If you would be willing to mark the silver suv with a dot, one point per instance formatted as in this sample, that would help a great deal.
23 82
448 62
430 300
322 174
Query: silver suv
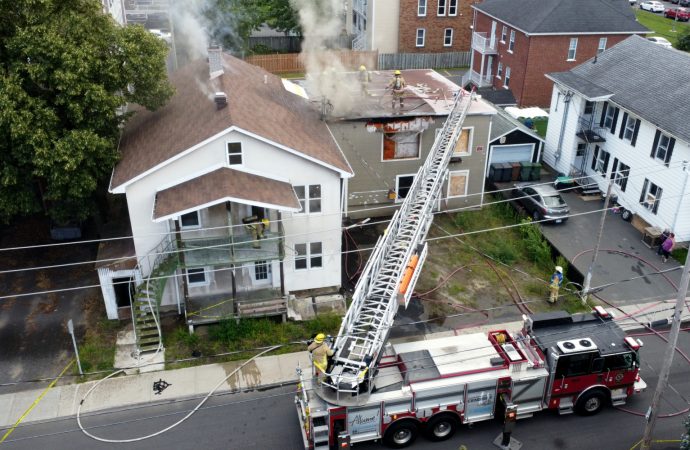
542 202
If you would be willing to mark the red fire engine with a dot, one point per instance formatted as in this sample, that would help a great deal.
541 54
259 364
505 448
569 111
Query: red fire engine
557 361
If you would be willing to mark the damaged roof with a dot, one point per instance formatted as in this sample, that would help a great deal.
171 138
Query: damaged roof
257 103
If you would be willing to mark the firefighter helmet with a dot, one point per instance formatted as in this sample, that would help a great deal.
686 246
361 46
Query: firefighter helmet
397 72
362 68
319 338
559 269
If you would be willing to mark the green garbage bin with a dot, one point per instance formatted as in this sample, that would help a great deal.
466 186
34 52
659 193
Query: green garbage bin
535 173
525 169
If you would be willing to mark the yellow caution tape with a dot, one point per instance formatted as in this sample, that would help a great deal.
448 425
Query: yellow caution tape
35 403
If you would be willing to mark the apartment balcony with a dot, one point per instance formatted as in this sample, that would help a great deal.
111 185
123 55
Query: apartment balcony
477 79
482 43
589 130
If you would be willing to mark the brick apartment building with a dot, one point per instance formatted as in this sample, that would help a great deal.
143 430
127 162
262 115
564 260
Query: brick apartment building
434 26
516 42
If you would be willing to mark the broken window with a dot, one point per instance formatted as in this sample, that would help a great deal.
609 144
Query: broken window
403 145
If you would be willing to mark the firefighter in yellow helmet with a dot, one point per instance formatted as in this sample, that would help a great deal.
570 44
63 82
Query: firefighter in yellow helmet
320 351
397 85
364 79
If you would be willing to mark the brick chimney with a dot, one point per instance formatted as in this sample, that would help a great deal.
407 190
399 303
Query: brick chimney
215 61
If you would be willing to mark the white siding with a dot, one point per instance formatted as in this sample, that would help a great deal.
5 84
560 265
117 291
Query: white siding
383 25
568 145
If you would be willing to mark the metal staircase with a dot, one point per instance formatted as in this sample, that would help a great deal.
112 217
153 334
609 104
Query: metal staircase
399 255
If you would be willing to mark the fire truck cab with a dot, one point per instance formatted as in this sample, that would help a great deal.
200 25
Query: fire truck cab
557 361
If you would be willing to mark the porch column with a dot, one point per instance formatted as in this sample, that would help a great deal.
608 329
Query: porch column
481 70
105 276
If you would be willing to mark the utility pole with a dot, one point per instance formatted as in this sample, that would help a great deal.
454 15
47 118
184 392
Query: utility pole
653 410
588 278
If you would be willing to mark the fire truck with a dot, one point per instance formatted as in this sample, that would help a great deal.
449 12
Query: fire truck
375 390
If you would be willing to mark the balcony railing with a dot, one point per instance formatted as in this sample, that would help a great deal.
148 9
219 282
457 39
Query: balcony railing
482 43
589 130
477 79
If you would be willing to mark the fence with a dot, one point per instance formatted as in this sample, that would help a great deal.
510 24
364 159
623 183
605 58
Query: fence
291 62
293 44
389 61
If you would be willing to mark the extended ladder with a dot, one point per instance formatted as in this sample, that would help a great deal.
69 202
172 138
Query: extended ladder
390 274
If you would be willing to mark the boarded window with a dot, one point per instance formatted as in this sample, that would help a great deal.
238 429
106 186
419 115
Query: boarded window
464 142
457 184
400 146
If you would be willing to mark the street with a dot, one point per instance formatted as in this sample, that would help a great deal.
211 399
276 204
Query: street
267 420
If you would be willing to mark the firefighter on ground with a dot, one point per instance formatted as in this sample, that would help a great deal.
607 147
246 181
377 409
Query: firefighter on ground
397 84
555 284
364 79
320 352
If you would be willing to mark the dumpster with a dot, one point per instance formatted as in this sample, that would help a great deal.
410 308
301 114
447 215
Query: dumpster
535 173
525 169
515 173
496 171
507 173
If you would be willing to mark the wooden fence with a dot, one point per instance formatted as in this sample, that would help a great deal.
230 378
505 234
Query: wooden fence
390 61
292 62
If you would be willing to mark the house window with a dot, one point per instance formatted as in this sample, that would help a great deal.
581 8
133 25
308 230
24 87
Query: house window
511 44
190 220
650 196
441 7
629 131
420 37
234 153
421 8
452 7
589 107
457 183
620 172
464 145
404 145
309 198
309 256
403 183
662 147
260 270
506 82
602 45
504 33
609 119
600 160
499 70
448 37
572 50
197 277
581 147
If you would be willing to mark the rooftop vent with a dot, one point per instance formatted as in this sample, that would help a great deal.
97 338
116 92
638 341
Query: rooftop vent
215 61
221 100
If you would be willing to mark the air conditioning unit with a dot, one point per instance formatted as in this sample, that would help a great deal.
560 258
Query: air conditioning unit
576 345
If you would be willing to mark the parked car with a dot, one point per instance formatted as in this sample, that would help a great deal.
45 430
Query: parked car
684 2
660 41
680 14
633 2
542 202
653 6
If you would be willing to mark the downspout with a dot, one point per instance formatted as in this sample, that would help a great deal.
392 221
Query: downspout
566 102
682 194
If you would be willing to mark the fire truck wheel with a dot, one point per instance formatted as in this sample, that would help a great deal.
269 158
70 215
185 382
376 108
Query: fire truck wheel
590 403
401 434
441 427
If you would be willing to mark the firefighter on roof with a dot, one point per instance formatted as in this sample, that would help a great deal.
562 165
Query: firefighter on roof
555 284
397 84
320 351
364 79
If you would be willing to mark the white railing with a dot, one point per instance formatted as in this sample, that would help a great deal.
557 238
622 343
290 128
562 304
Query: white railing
479 79
359 43
482 43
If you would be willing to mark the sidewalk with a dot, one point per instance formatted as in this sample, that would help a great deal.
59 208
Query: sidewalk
264 372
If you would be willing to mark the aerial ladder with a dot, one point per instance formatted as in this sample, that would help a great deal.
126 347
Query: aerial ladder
392 270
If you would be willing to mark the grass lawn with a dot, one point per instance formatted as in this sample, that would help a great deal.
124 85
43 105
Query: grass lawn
662 26
540 126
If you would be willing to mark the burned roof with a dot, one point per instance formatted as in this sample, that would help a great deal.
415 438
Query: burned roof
257 103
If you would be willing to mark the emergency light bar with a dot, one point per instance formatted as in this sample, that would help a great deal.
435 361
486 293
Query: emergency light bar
601 312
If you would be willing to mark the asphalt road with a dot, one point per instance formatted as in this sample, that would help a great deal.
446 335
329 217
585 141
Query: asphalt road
267 420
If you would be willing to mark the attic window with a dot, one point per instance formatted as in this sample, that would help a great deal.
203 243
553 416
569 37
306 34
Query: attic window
234 153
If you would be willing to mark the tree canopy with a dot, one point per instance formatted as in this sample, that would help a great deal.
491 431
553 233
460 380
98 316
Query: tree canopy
66 72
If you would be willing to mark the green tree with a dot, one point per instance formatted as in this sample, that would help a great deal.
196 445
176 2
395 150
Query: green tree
66 72
684 40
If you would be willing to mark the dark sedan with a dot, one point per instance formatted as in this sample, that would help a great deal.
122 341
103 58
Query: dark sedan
542 202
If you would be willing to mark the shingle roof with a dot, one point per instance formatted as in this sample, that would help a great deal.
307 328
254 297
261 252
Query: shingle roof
581 84
500 97
257 103
564 16
222 185
646 79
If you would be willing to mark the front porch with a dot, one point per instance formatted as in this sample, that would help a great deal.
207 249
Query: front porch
214 308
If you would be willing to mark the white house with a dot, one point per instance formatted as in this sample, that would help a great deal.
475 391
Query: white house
625 115
232 147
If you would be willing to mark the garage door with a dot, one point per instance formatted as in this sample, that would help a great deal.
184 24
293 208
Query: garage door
511 153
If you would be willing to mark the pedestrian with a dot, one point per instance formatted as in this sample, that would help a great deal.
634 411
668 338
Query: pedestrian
662 238
667 247
397 84
320 352
555 284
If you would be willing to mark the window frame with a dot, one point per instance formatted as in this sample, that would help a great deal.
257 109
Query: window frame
398 198
261 270
423 37
421 8
441 8
630 120
470 138
452 8
610 115
305 201
228 155
308 256
620 175
511 42
600 166
504 34
601 48
659 147
204 271
572 49
506 80
446 41
190 227
464 172
499 70
410 158
646 193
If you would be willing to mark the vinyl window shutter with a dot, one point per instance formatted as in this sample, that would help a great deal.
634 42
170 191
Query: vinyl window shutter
669 151
644 190
606 162
655 143
614 167
626 174
624 124
615 119
603 114
655 208
594 157
637 128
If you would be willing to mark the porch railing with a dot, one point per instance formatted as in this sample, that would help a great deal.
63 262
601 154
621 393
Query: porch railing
482 43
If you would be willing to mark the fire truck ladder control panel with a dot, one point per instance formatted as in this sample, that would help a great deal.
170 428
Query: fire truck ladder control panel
392 270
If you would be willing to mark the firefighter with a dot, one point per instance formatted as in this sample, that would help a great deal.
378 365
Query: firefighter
397 84
256 227
320 352
364 79
555 284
